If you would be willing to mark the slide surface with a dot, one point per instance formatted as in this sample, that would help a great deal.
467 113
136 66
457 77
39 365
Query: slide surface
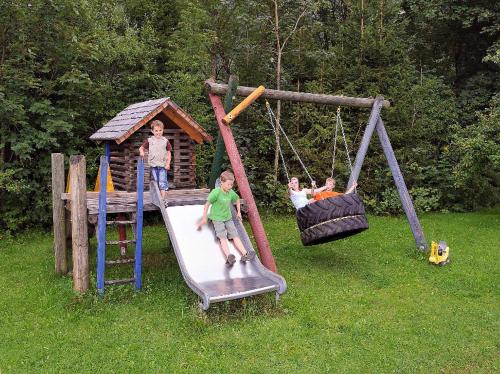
202 262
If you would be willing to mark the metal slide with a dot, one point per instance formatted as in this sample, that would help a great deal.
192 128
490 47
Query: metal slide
201 259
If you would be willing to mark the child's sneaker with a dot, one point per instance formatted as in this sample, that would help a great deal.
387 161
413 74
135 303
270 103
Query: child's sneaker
247 257
230 260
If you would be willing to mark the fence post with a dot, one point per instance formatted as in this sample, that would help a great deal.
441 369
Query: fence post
59 214
79 223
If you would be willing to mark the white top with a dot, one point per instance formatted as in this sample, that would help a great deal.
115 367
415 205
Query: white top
157 155
299 199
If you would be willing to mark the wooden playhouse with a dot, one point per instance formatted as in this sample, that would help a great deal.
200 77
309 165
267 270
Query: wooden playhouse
76 212
125 133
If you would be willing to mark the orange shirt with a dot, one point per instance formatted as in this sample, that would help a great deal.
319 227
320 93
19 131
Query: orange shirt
326 194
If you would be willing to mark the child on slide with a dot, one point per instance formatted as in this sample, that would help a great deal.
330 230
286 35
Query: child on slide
221 199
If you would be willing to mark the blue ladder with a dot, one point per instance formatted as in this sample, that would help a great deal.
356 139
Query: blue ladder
102 223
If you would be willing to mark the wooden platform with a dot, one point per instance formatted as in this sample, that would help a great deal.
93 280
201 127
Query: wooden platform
124 202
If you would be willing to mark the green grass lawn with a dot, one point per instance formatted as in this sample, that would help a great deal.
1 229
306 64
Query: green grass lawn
369 303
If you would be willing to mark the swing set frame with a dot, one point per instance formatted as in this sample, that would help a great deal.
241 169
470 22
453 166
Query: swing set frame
375 122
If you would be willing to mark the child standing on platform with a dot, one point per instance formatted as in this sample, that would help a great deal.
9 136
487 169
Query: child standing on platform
159 155
221 199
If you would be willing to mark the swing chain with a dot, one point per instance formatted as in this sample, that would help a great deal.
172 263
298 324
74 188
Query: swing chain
337 124
278 143
335 141
271 114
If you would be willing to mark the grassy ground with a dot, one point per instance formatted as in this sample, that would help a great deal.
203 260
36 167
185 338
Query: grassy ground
369 303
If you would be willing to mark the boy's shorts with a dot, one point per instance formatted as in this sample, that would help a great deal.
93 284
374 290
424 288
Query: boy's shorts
159 174
225 229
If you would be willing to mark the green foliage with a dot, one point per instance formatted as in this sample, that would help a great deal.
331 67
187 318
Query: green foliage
477 148
66 67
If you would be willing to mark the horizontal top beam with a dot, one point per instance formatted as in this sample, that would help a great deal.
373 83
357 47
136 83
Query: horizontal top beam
304 97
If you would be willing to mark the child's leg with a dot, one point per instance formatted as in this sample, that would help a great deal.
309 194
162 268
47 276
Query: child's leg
239 245
224 246
221 233
163 182
156 175
232 233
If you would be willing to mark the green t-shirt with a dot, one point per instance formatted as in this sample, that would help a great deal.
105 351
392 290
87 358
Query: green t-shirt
221 204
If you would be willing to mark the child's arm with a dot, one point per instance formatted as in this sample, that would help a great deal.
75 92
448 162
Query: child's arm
169 158
204 217
238 209
313 191
354 185
143 147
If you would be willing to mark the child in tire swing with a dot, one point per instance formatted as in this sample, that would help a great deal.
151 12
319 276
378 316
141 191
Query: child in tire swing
221 199
329 190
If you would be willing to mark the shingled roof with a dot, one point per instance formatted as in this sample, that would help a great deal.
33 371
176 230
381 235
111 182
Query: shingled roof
133 117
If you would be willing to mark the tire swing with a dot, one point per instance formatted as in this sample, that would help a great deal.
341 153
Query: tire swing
332 218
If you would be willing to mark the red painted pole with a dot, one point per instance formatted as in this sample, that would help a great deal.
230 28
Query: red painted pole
122 234
246 193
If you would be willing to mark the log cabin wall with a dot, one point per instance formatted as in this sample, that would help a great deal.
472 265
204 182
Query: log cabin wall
123 163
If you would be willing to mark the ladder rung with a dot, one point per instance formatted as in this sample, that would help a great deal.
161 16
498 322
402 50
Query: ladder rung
119 241
112 282
120 222
120 261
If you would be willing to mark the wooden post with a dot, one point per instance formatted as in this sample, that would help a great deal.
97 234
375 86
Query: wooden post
404 195
101 227
365 142
139 223
59 213
231 116
220 149
304 97
239 173
79 223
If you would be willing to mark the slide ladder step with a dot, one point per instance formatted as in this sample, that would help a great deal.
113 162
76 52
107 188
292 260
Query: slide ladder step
115 242
112 282
120 261
120 222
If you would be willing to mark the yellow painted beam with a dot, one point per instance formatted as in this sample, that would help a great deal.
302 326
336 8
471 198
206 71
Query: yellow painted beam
243 105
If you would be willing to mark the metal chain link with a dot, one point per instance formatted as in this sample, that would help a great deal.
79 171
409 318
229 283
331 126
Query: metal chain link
279 146
271 113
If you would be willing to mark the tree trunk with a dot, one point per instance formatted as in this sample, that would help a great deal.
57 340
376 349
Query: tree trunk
381 32
278 120
362 18
278 87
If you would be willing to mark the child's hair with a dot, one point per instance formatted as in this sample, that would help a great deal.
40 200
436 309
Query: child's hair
330 179
157 123
226 175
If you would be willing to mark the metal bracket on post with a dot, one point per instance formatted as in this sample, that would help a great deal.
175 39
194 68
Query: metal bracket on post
404 196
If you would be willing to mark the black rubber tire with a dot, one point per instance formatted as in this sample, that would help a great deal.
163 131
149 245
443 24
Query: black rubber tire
328 209
334 229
